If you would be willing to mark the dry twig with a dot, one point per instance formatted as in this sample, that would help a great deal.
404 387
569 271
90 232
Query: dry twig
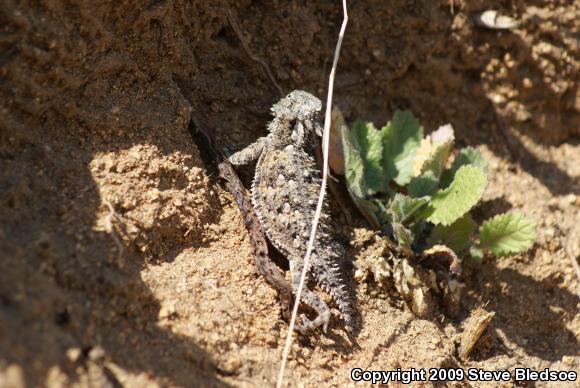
474 327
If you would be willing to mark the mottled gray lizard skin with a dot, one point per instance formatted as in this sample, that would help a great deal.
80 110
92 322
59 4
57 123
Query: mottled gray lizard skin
285 193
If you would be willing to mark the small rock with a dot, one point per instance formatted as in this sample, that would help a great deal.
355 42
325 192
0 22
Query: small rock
73 354
97 353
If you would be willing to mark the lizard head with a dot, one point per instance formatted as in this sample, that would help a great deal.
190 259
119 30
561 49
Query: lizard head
303 110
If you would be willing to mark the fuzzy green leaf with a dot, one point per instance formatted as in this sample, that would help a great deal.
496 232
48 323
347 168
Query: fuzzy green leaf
400 138
464 192
401 211
402 207
456 236
425 184
403 235
354 165
467 156
434 151
507 233
370 147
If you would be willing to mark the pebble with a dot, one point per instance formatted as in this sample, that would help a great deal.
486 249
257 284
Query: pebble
73 354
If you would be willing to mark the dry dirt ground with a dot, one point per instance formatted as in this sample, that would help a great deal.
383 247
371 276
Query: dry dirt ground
123 261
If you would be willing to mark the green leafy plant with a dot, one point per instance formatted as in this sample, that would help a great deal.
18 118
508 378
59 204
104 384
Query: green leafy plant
405 184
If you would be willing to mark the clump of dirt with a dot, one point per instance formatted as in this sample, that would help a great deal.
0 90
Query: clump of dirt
165 200
379 263
122 259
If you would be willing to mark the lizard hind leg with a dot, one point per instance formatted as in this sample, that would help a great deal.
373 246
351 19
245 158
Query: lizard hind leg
312 300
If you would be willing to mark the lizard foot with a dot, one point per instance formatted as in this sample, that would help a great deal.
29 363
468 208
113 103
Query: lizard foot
322 311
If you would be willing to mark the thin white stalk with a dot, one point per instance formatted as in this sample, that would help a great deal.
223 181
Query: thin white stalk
325 146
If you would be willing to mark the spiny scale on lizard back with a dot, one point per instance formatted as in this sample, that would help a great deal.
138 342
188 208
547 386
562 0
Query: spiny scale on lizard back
285 192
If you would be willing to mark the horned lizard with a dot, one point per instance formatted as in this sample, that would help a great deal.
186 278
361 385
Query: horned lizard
284 194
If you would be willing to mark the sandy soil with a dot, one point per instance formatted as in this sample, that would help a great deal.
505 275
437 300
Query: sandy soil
123 261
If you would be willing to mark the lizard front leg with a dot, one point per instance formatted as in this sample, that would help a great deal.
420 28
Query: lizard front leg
250 153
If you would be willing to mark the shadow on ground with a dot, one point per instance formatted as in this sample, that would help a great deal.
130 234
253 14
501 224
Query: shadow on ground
61 287
530 313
